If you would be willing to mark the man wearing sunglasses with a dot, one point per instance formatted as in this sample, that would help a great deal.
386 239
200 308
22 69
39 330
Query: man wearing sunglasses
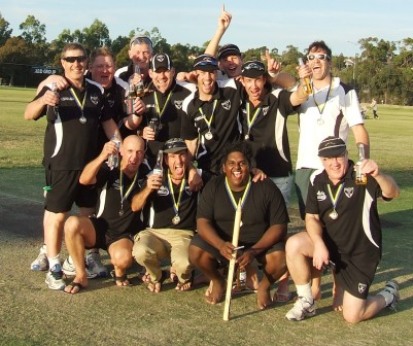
74 115
331 110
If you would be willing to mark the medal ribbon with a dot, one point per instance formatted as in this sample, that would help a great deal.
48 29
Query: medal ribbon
181 190
212 115
323 106
81 105
157 106
128 191
334 198
244 195
250 122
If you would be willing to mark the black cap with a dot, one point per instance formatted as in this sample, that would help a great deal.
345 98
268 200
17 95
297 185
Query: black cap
228 49
253 69
205 62
160 61
332 147
174 145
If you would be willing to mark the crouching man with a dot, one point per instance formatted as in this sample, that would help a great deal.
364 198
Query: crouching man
343 232
115 225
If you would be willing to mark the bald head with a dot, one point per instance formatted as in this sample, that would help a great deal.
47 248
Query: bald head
133 152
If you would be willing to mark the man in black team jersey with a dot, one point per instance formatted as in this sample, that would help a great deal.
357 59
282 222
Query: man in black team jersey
115 224
74 115
343 232
171 226
263 226
162 118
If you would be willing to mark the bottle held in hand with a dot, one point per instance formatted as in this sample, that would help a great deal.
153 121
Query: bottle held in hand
307 87
361 178
113 159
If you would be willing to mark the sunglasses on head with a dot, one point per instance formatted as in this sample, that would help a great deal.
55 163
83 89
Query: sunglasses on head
72 59
318 56
142 40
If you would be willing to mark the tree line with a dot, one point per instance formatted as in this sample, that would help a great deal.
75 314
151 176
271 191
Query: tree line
383 69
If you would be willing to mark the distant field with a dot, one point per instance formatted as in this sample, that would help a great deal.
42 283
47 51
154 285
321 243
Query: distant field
107 315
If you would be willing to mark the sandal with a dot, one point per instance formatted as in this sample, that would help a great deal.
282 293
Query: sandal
155 286
121 281
186 285
76 287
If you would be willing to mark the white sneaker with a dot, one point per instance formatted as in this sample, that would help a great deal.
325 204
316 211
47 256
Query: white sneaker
393 288
70 270
95 265
54 278
40 263
302 309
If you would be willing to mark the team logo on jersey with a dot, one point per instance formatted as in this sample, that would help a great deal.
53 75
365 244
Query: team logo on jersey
111 103
178 104
265 110
321 196
226 105
94 99
163 191
362 288
348 191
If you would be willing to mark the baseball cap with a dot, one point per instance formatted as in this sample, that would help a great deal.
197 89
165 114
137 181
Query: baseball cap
205 62
332 147
160 61
139 39
228 49
253 69
174 145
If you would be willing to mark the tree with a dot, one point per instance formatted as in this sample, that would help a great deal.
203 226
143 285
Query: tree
33 31
5 32
95 36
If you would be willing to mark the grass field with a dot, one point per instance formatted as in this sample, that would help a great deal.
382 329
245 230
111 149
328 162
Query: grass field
30 314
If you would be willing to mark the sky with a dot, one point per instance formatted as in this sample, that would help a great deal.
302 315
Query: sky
270 23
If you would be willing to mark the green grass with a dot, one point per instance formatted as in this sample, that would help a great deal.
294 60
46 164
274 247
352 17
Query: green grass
107 315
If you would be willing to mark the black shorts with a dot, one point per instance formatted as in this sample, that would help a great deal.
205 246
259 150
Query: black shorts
103 238
202 244
355 274
64 189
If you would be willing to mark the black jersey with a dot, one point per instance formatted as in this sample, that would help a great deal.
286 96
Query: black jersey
265 127
222 112
119 216
71 136
160 211
356 229
264 206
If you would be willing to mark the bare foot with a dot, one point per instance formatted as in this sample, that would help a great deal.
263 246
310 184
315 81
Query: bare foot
215 292
184 286
252 277
338 294
282 295
263 298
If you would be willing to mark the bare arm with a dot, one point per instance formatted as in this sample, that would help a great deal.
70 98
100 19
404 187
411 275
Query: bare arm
60 81
153 183
35 109
111 129
300 95
223 23
361 136
89 173
315 231
192 145
389 187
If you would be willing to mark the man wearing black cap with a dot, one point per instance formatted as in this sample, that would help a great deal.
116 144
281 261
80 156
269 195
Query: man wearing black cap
162 119
211 119
172 222
343 232
264 123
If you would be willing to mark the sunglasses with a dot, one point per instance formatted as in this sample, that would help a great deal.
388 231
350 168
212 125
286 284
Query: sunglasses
72 59
318 56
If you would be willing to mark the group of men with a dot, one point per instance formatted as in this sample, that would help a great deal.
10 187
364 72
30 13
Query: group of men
194 147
